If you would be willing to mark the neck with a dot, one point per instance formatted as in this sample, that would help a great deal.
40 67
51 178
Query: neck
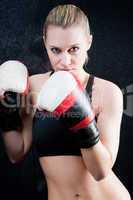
81 75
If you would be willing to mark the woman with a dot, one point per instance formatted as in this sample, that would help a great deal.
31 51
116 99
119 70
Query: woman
72 172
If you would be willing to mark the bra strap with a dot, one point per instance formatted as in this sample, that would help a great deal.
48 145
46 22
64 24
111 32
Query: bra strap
89 85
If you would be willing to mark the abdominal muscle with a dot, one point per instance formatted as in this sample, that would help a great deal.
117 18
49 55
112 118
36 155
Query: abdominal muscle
68 179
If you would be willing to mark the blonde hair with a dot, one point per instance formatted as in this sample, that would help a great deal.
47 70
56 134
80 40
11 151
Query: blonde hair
66 16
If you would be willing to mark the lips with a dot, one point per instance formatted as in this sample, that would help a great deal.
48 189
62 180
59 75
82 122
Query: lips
66 69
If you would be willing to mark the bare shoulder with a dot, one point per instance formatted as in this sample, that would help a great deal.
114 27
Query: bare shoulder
37 80
108 88
106 95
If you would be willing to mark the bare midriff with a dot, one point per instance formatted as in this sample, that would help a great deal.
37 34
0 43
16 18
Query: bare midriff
68 179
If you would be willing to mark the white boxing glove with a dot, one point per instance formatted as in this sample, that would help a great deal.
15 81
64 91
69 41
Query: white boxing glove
13 85
63 95
13 77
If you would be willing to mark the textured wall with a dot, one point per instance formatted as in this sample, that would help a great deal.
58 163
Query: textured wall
110 58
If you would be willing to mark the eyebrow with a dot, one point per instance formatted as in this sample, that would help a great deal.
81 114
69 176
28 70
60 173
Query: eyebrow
70 45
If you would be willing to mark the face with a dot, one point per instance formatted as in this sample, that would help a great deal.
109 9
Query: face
67 48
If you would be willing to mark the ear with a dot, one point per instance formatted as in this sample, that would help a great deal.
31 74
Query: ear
44 40
89 41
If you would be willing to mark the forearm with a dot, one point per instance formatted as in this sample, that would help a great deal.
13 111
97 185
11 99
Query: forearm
98 160
14 145
17 143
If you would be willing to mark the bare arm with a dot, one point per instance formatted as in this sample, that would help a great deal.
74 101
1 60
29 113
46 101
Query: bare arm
17 143
100 158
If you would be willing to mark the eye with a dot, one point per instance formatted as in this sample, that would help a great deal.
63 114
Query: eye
74 50
55 50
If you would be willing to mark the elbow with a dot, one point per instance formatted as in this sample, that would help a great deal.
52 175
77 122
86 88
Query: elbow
15 158
16 155
103 171
13 161
100 172
100 176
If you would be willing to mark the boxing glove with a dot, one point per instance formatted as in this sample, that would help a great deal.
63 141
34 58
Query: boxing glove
63 95
13 89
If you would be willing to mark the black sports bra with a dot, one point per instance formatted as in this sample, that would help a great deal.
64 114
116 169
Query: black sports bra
50 138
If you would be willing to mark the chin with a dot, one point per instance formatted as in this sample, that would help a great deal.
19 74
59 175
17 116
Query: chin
63 70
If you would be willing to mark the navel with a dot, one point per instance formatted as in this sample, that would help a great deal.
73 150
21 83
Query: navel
77 196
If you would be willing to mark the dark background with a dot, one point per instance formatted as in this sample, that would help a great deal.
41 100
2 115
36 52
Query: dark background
110 58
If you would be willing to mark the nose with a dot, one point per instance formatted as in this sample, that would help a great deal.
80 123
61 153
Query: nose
65 59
